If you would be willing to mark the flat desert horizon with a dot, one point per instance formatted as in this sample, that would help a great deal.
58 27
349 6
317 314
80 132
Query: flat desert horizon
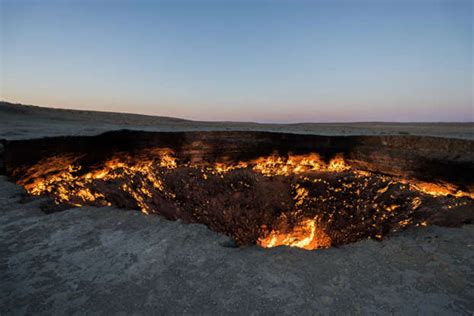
19 120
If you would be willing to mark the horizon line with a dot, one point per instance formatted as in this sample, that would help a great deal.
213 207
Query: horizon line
53 107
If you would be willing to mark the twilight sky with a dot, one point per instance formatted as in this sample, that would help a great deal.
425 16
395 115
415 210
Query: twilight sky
266 61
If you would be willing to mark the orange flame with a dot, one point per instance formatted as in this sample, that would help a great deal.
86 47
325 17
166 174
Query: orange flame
279 166
60 176
435 189
306 234
57 175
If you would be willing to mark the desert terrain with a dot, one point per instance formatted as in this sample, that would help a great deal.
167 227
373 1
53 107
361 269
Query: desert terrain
104 260
26 121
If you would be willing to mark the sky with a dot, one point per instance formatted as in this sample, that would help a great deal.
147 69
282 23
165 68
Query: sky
262 61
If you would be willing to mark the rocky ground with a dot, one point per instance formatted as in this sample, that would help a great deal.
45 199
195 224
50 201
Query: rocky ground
105 260
110 261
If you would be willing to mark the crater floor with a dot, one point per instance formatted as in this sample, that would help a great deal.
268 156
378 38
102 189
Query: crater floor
108 260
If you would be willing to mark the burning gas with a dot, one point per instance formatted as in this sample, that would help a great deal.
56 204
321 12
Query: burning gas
296 200
305 234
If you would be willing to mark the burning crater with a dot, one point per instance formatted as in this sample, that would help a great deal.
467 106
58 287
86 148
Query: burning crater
259 188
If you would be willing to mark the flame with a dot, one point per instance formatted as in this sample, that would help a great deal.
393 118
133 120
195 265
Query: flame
337 164
38 179
295 164
44 176
301 194
435 189
221 167
58 175
306 234
142 177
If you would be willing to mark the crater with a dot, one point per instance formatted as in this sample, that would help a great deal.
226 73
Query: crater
269 189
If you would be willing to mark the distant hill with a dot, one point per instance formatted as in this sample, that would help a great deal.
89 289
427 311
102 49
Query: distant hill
98 116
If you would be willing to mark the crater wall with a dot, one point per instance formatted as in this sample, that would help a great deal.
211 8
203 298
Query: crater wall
423 158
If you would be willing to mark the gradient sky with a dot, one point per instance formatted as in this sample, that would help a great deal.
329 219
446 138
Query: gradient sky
266 61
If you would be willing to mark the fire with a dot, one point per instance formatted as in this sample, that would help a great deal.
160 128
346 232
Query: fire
221 167
295 164
39 178
317 193
439 189
301 194
306 234
59 176
337 164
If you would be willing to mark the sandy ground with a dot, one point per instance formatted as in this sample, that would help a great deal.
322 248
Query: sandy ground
20 122
108 261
